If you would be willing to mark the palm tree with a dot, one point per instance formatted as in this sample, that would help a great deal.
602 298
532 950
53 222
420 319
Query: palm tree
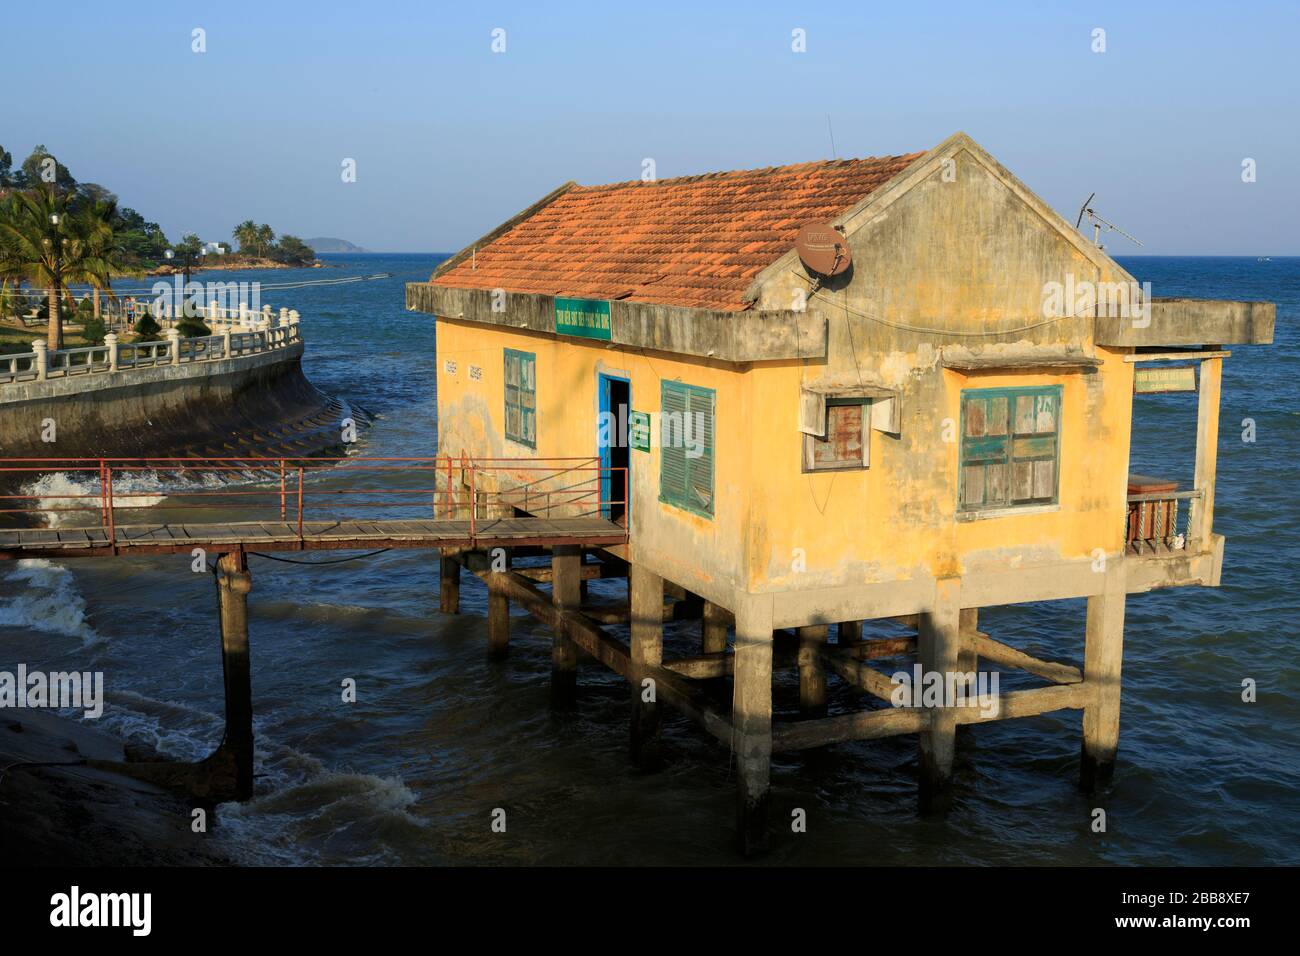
265 236
246 235
106 256
46 245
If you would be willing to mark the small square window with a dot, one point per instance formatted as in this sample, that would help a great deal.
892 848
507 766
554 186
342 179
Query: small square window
846 440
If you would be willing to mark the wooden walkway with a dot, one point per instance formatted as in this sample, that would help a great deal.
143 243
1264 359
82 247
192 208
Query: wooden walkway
316 536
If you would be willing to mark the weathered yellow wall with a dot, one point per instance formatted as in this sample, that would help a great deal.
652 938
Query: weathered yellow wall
694 551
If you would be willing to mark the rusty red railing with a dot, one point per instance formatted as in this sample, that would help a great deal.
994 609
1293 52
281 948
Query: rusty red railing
292 490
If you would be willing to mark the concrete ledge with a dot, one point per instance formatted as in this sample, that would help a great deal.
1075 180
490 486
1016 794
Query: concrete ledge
1193 322
743 336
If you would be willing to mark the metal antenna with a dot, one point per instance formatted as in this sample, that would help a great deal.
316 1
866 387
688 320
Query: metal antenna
1097 222
830 129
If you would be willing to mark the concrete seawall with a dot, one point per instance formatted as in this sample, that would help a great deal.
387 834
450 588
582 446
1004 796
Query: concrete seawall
233 406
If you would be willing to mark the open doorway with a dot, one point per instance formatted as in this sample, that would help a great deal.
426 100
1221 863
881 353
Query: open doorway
612 440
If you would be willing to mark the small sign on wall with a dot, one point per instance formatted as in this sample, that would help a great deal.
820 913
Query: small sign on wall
449 366
638 430
588 318
475 373
1180 378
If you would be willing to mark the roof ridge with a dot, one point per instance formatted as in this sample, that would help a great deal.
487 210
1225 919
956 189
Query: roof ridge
756 171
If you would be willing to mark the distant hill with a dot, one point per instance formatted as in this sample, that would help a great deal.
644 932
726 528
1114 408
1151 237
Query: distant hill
330 244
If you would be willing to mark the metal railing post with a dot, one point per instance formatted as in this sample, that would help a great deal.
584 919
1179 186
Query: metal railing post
108 501
300 502
473 501
282 501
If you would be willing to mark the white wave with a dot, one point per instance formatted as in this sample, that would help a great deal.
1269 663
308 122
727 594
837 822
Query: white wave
47 601
76 500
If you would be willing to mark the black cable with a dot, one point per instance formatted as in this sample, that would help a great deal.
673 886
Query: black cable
355 557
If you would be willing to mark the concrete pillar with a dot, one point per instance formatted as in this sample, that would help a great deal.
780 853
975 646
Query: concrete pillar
938 645
647 646
714 627
812 673
284 317
967 660
233 584
751 719
110 341
41 363
264 322
1103 655
449 585
849 632
174 344
212 315
1201 521
498 607
243 315
225 342
566 566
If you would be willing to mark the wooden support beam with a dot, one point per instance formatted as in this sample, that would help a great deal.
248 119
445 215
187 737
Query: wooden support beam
672 689
848 632
967 657
938 644
589 571
868 725
448 584
860 675
1029 703
1103 656
498 606
751 715
565 594
702 666
715 621
984 646
235 755
880 648
812 672
647 647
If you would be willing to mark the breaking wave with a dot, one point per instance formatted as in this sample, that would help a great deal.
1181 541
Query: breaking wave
47 600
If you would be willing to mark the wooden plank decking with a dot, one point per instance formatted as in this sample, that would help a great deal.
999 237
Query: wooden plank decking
316 536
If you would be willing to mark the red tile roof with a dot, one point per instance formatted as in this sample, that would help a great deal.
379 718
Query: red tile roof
694 241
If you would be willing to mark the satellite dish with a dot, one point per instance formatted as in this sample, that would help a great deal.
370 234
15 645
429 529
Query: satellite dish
823 249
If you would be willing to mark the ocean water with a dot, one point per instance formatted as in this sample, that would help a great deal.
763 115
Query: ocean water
439 738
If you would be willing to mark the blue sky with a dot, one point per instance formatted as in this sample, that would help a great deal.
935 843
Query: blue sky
450 138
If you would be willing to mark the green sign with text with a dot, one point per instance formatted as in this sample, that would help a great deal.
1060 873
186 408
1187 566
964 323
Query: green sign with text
638 430
1180 378
588 318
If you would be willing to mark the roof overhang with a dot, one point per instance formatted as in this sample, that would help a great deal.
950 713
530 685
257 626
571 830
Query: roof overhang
742 336
1191 322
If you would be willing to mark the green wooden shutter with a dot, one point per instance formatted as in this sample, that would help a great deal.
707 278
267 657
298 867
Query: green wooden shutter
521 397
699 469
672 452
1009 446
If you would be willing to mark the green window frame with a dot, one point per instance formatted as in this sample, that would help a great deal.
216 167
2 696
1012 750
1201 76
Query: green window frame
686 479
521 397
1010 448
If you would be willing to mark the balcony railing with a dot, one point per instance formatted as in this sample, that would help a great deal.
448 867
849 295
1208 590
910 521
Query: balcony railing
1160 522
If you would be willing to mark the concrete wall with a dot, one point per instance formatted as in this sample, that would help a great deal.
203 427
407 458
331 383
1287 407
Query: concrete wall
145 412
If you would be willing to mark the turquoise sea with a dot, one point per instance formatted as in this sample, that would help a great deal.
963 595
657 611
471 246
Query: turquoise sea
439 737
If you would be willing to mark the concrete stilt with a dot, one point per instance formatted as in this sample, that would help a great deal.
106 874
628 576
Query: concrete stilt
233 584
751 719
812 673
498 610
849 631
647 651
967 659
449 585
566 566
1103 655
938 645
714 628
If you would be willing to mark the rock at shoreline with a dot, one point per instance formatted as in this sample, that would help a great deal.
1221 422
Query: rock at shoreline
72 814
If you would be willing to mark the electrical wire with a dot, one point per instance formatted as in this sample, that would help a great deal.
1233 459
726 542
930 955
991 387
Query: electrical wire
355 557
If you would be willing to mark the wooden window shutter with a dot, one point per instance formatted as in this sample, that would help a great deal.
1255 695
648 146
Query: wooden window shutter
699 467
672 451
812 413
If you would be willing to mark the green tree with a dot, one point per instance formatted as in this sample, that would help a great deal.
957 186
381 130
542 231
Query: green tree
246 235
44 242
294 251
188 253
265 239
